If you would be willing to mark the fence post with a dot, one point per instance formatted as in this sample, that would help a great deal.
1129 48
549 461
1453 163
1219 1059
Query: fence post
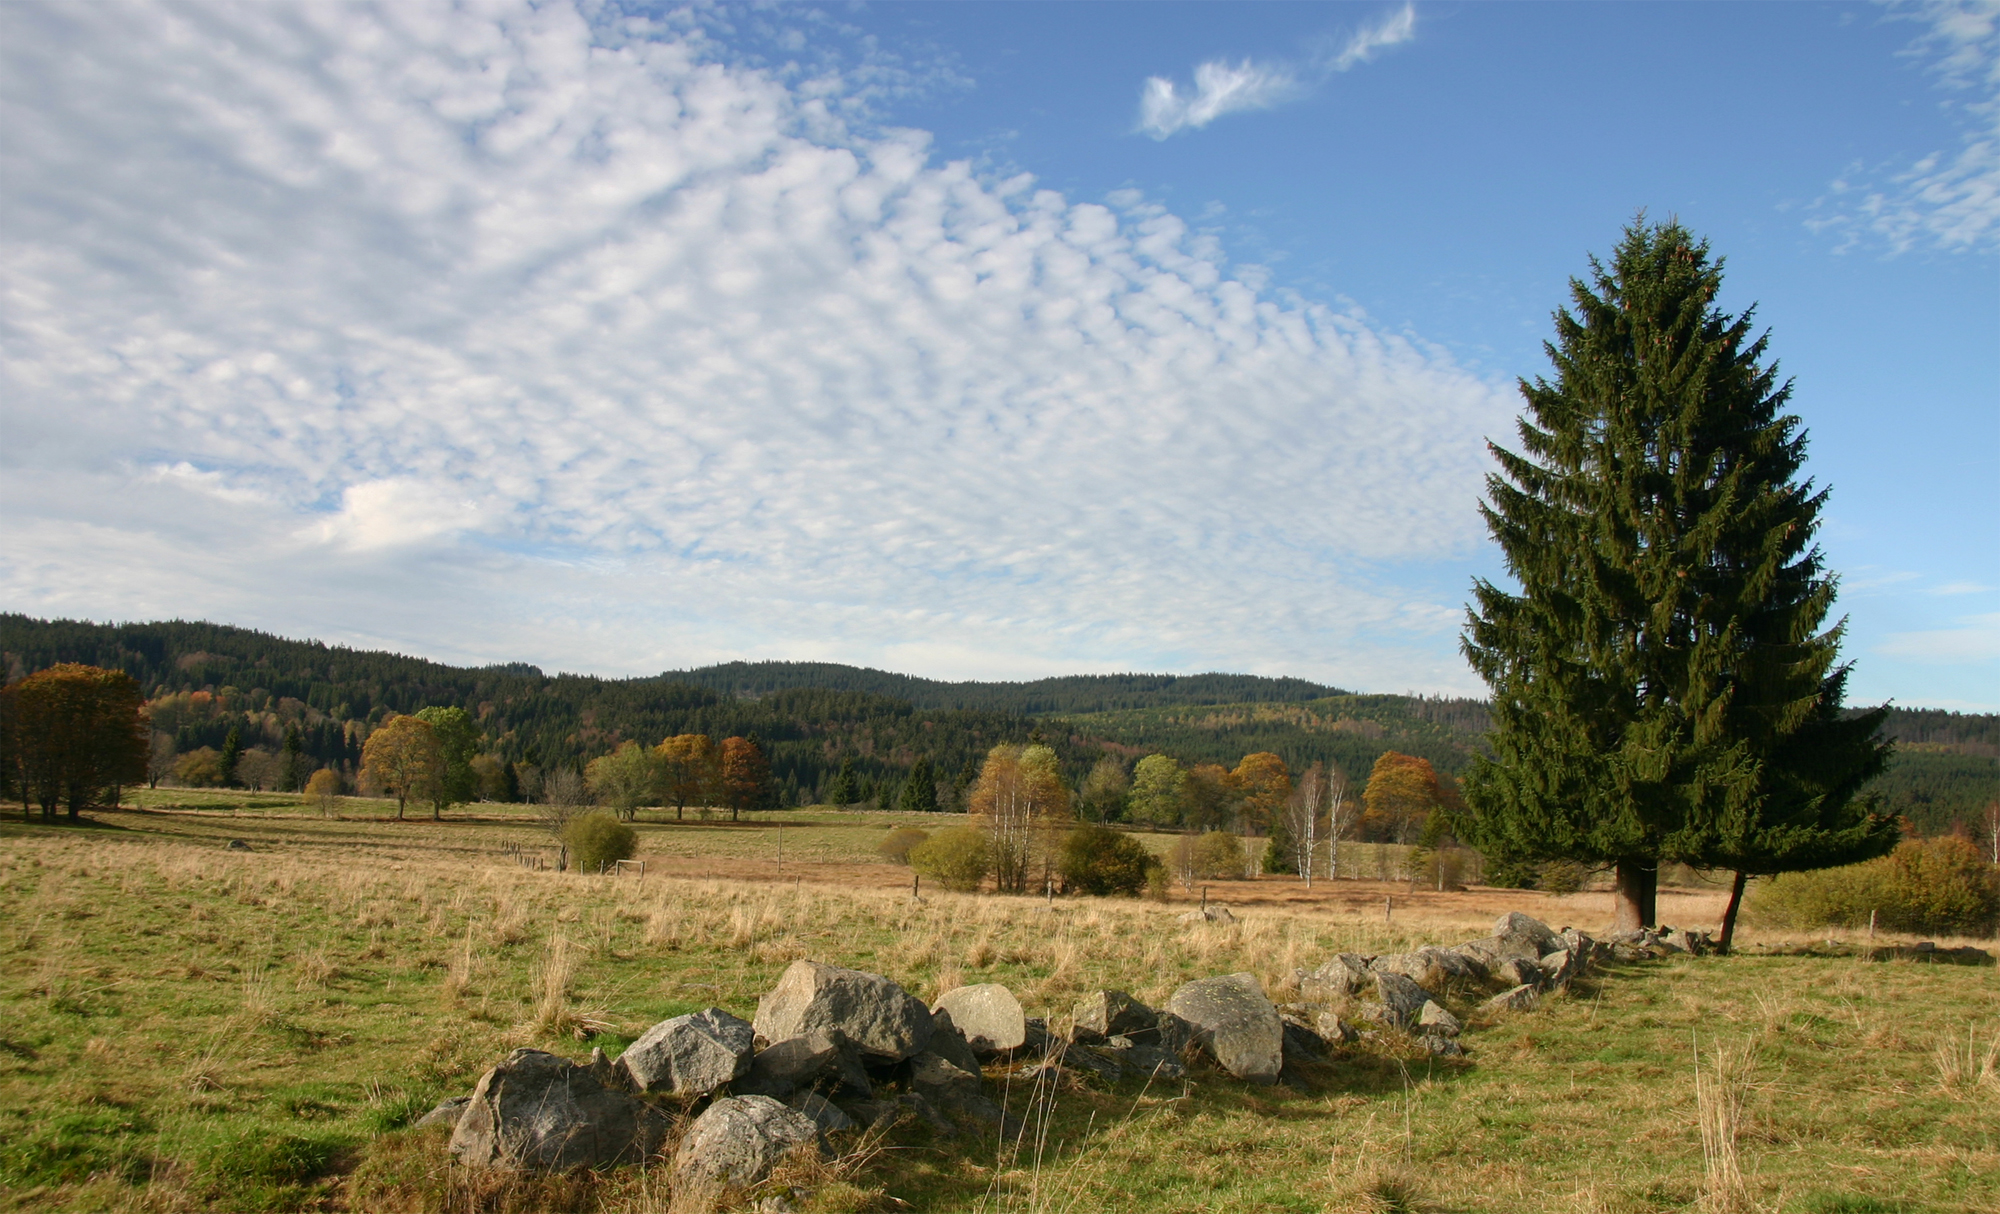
1388 906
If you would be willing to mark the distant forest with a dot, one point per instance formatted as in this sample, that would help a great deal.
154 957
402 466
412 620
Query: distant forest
202 680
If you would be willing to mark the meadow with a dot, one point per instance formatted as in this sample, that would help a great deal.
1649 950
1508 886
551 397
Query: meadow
189 1026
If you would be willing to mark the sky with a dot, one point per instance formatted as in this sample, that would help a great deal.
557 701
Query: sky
965 340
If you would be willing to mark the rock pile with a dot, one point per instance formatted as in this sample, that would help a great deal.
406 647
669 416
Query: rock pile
833 1049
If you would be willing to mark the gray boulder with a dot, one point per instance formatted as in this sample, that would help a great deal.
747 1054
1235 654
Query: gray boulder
1520 999
1524 936
446 1114
823 1112
1339 977
1302 1044
1144 1060
536 1112
739 1139
874 1014
816 1060
1559 967
1443 1047
1103 1014
1517 971
1213 914
1235 1023
1433 1020
947 1042
1401 999
1332 1029
1432 968
988 1015
690 1055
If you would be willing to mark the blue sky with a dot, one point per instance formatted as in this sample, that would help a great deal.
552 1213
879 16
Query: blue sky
968 340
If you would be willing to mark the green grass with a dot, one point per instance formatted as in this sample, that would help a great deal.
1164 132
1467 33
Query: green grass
187 1027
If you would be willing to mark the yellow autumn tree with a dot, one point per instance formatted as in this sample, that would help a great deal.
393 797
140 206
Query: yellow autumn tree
404 759
1402 791
1019 797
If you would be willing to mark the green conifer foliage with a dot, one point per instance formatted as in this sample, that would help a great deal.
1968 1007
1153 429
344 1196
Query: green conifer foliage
1664 684
920 790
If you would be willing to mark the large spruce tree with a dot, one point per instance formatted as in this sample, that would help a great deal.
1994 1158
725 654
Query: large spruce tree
1665 686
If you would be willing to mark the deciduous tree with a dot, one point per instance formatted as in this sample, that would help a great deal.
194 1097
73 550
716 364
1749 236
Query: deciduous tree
624 780
1103 794
746 775
78 732
402 758
458 742
1664 684
1402 792
690 771
1156 791
1020 793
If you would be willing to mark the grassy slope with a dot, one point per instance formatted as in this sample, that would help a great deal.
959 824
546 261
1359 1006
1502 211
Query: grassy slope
189 1027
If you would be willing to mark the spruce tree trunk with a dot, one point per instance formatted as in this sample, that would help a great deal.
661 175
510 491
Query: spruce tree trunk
1729 913
1634 897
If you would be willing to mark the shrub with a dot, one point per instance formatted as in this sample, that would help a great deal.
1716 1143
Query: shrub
1099 860
1939 886
895 846
1217 855
199 768
596 840
957 857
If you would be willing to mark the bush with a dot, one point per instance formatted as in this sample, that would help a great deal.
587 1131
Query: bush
957 857
199 768
1099 860
1930 886
895 846
1217 855
596 840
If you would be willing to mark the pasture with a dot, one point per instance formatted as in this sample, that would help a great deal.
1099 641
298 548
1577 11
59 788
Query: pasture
192 1027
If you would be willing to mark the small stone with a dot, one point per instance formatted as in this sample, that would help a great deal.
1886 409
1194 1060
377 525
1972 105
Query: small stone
1332 1028
1214 914
1435 1021
446 1114
1113 1014
1520 999
823 1112
238 845
1443 1047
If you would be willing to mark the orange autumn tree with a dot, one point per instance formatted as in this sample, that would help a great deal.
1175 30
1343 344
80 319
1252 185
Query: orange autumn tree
73 735
1402 791
690 771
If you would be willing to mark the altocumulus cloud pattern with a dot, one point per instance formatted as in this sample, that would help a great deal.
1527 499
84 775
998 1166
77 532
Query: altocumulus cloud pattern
517 332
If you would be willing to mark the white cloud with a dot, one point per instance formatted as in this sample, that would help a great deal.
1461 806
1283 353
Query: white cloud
1947 199
1977 640
1221 87
509 332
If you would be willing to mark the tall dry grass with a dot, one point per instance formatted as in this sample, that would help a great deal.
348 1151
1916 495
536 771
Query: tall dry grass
1721 1091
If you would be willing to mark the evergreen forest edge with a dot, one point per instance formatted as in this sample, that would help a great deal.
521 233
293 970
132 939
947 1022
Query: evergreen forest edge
811 717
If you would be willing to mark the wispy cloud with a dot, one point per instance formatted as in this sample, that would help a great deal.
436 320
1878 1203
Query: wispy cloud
1977 639
1222 87
1948 199
493 331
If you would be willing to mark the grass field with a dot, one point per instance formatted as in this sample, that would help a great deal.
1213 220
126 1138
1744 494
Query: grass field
190 1027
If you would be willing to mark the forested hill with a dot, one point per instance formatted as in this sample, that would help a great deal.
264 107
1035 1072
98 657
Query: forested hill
1064 696
202 680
